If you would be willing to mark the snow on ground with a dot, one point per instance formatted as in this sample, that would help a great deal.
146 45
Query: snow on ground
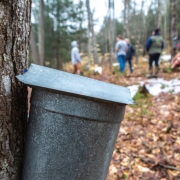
156 86
166 57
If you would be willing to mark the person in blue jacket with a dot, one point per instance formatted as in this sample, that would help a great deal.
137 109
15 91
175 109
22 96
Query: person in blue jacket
154 47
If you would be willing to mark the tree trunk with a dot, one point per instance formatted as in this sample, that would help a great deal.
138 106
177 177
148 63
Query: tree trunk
174 22
34 48
14 43
41 32
89 49
111 29
91 29
126 18
110 33
159 9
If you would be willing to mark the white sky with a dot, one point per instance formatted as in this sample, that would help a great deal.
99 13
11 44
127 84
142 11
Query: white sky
101 7
100 10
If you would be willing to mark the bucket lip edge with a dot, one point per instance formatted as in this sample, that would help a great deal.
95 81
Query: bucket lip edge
81 91
80 95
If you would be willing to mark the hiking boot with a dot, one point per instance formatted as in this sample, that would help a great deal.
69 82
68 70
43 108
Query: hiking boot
150 74
156 72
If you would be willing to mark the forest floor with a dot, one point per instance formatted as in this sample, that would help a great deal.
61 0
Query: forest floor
148 144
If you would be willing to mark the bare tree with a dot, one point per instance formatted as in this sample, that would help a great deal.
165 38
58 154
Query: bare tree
14 44
89 48
41 32
159 13
34 48
174 22
126 14
111 28
91 29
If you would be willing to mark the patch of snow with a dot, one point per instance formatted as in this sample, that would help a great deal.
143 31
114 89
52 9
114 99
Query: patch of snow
115 64
133 90
98 69
157 86
166 57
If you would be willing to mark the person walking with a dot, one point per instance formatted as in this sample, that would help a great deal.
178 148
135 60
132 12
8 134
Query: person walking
154 47
130 53
121 49
75 58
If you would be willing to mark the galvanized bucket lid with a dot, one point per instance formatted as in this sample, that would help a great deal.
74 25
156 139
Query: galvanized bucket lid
48 78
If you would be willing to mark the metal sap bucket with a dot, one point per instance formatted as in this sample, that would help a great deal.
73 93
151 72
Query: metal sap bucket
73 125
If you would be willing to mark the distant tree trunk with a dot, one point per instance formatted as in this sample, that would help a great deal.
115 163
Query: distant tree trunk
165 22
91 28
41 32
174 22
140 29
34 48
110 32
58 38
113 23
89 48
159 9
14 44
58 60
126 18
111 28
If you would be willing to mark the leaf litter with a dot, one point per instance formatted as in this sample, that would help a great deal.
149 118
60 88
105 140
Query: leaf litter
148 144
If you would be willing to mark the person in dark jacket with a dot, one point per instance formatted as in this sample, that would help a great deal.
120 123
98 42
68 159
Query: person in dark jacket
130 53
154 47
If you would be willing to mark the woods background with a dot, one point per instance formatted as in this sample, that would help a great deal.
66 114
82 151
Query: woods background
55 23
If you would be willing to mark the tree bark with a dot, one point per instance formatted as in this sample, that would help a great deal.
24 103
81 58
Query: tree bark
14 43
41 32
159 9
111 28
126 18
34 48
174 22
89 49
91 28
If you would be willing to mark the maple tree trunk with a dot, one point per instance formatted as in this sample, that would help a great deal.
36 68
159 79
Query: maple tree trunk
14 43
159 13
34 48
91 29
174 22
89 48
126 32
111 29
41 32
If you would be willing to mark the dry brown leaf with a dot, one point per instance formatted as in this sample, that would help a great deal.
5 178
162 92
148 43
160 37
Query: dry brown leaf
143 169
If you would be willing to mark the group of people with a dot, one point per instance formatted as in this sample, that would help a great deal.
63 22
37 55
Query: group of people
124 49
125 52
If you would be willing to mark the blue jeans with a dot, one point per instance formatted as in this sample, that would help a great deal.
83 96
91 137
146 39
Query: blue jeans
122 62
